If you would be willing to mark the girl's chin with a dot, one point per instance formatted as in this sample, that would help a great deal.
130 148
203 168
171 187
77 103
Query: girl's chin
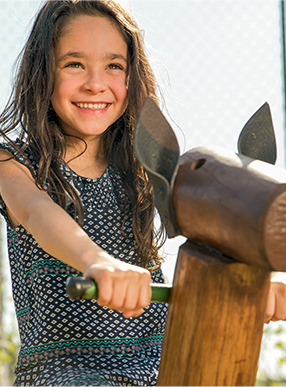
84 132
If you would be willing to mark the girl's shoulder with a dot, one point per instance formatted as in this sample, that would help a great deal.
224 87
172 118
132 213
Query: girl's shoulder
21 152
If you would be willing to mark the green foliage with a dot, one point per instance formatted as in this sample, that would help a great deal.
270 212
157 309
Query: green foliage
9 348
9 336
272 362
269 382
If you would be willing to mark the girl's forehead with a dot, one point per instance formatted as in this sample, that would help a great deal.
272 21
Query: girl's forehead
91 34
93 31
95 22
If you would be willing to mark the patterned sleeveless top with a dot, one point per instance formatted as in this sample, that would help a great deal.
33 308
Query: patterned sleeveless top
52 326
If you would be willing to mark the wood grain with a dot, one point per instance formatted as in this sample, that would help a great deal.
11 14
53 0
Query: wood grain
215 320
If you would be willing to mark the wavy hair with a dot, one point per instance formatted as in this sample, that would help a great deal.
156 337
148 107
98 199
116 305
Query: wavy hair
30 113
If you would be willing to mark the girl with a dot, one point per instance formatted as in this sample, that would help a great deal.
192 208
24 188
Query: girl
77 201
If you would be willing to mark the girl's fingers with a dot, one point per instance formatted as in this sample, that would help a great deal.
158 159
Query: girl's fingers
276 302
270 307
135 313
280 301
138 295
122 287
105 292
132 294
130 302
145 293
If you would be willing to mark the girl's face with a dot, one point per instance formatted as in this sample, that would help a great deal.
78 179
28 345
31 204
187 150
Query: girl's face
90 78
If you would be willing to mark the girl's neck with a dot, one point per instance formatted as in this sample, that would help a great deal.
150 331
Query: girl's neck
92 163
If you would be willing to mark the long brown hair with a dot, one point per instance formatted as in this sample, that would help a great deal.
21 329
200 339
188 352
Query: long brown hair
29 111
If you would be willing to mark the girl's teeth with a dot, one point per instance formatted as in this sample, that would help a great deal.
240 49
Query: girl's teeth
93 106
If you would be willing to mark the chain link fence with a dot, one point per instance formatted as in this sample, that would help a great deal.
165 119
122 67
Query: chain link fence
216 62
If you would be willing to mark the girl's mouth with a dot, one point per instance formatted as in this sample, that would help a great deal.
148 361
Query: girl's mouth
92 106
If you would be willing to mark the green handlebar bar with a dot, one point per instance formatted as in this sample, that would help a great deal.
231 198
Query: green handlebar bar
79 288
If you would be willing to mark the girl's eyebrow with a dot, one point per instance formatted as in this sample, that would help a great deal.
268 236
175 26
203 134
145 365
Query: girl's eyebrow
70 54
80 55
117 56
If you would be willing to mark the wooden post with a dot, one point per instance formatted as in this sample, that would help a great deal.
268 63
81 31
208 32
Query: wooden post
215 320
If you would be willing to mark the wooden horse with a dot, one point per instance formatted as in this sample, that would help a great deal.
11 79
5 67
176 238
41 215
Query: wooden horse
232 209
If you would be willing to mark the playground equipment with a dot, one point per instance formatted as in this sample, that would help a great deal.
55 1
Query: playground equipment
232 210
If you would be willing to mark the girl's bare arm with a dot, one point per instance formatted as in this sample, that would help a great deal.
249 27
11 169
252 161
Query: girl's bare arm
276 303
121 286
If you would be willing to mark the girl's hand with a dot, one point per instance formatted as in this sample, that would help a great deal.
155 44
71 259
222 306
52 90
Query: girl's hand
121 286
276 303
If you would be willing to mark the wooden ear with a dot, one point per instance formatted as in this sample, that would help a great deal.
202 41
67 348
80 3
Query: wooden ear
155 142
158 151
257 138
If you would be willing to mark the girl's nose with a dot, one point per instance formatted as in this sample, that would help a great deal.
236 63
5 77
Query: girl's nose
94 82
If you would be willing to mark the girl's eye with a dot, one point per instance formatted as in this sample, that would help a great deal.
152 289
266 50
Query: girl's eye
74 65
115 66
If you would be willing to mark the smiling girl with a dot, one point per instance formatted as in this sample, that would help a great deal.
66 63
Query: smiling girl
76 200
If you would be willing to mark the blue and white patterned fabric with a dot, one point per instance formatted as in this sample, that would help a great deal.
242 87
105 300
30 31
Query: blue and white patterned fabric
67 342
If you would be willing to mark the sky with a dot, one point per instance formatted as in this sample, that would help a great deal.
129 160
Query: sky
216 63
